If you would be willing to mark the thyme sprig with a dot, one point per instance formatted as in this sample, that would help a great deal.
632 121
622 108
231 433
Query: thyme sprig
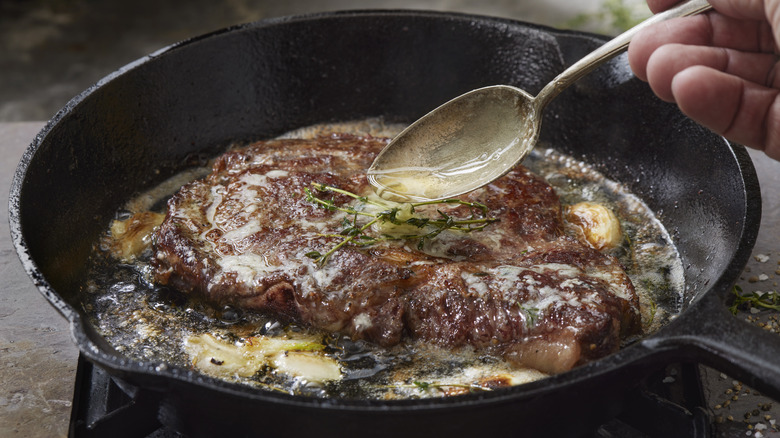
767 300
423 386
355 233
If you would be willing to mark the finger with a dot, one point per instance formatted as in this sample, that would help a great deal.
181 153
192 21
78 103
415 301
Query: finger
742 9
670 59
745 9
741 111
657 6
710 29
649 40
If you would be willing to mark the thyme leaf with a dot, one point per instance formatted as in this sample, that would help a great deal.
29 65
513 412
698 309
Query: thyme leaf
355 233
313 254
423 386
531 315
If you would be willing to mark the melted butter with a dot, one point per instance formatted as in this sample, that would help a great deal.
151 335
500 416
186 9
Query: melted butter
511 278
409 184
261 180
419 184
247 266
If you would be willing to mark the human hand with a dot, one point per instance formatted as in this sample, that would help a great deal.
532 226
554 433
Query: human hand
721 68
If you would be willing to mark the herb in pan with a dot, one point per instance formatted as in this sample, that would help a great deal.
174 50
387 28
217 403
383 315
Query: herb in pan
392 215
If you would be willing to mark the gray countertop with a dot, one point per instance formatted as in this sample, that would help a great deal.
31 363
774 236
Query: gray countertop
38 358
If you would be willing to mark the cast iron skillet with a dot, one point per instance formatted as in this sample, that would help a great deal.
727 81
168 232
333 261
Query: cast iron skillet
161 113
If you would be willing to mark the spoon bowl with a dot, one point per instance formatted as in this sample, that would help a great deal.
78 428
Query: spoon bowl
481 135
453 149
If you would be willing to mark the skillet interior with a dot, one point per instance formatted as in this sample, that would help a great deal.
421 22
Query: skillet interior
189 101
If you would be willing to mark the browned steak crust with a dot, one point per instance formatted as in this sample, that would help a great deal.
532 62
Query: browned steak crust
521 288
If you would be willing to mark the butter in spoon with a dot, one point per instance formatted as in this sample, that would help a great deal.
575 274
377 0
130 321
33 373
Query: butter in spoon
479 136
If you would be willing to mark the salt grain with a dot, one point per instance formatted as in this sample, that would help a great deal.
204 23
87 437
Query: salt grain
763 277
761 258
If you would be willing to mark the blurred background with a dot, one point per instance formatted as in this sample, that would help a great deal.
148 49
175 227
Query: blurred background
51 50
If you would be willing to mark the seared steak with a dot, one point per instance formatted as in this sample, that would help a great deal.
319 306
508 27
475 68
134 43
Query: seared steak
520 288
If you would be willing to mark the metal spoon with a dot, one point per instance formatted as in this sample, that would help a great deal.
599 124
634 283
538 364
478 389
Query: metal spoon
479 136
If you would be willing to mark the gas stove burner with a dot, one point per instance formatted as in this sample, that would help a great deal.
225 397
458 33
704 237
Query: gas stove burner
105 406
663 406
660 406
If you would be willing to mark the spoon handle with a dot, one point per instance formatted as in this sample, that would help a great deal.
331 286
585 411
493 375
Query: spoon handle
612 48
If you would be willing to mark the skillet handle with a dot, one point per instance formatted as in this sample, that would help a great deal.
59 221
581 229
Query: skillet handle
715 337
